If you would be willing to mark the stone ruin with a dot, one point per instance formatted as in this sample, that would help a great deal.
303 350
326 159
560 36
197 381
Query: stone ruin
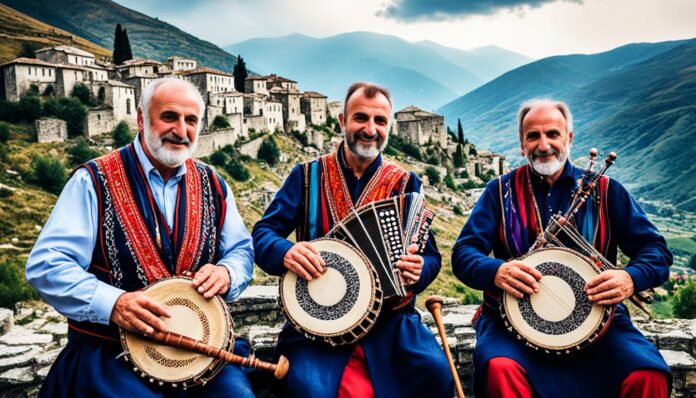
50 129
32 337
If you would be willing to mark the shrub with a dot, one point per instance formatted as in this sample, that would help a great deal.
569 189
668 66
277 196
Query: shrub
121 134
49 91
458 210
449 182
220 122
237 170
69 109
81 152
433 175
13 286
685 301
269 151
29 108
49 173
82 93
301 137
219 158
4 132
9 111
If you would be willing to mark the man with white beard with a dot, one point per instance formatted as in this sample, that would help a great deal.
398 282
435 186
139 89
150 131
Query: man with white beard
512 211
139 214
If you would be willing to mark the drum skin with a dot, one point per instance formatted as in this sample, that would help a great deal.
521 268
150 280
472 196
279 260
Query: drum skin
559 318
207 320
340 306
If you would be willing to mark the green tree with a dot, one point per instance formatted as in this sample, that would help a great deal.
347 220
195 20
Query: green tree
48 172
269 151
29 107
449 182
13 287
81 152
685 301
460 131
4 132
237 170
433 175
122 51
121 134
240 74
459 159
69 109
83 93
220 122
219 158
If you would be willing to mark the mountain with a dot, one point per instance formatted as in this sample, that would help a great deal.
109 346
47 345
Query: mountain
486 63
22 34
638 100
414 72
149 37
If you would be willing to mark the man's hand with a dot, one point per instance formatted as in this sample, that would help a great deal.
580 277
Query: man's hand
136 312
610 287
304 260
517 278
212 279
411 264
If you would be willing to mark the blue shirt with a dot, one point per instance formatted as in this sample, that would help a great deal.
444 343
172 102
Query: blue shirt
631 230
57 265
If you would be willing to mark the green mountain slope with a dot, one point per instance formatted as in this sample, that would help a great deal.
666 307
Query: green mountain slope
149 37
638 100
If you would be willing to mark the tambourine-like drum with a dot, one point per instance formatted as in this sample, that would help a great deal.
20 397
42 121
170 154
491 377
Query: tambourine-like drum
559 318
206 320
340 306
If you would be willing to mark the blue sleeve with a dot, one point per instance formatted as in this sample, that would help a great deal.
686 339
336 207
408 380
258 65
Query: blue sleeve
639 239
432 259
281 218
236 249
57 265
470 261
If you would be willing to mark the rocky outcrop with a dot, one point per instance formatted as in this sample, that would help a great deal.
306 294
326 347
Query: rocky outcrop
32 337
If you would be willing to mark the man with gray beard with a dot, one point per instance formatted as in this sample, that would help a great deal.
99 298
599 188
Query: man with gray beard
512 211
399 357
125 220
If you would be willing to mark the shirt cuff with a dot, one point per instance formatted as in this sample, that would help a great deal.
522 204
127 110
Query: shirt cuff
487 270
636 274
103 302
236 286
281 247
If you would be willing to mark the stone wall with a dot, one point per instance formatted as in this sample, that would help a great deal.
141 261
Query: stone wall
51 130
31 339
99 121
209 141
251 148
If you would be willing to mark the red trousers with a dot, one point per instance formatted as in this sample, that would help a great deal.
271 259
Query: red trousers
506 378
355 382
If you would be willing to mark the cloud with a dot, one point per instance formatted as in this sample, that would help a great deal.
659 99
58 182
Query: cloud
442 10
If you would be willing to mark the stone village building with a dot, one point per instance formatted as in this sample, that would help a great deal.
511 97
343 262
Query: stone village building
420 127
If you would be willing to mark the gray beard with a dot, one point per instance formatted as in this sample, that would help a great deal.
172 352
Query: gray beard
170 158
551 167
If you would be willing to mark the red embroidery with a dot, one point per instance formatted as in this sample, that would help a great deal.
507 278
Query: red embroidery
192 225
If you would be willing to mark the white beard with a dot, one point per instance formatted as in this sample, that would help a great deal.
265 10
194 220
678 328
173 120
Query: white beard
168 157
364 151
550 167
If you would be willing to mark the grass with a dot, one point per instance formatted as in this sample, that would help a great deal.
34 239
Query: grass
682 244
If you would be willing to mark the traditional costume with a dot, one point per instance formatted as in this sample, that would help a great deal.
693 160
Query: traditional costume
508 217
399 357
117 227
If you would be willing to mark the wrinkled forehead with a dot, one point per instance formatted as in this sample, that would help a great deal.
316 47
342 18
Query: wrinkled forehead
545 117
360 102
177 97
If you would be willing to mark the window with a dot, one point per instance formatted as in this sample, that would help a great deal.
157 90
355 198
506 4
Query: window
128 110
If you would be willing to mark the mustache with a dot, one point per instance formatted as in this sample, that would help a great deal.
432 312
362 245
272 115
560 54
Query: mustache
171 137
551 151
362 135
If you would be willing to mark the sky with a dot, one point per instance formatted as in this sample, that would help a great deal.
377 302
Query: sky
535 28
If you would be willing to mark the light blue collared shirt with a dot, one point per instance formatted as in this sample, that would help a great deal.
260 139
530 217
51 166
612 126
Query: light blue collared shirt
57 265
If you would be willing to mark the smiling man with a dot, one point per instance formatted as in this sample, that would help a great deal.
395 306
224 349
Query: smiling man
399 357
511 212
124 221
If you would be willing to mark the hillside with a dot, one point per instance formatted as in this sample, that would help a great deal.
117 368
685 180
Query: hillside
20 34
149 37
416 73
637 100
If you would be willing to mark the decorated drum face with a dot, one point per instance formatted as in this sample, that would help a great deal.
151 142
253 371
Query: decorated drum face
192 315
337 303
560 316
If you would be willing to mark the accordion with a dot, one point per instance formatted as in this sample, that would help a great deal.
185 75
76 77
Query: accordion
382 231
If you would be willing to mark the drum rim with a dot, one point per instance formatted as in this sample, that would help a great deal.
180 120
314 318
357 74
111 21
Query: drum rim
215 365
599 328
330 337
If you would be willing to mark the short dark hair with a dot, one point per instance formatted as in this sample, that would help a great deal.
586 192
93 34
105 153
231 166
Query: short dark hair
371 91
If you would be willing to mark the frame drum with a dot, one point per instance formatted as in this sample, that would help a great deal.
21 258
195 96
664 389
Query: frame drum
207 320
340 306
559 318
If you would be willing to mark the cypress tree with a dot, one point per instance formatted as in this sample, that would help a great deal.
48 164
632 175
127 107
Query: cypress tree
460 132
118 45
128 54
240 74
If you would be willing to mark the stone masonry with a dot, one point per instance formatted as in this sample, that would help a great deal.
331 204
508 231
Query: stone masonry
32 337
51 130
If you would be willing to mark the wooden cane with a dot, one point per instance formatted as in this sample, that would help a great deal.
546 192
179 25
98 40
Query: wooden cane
434 305
178 341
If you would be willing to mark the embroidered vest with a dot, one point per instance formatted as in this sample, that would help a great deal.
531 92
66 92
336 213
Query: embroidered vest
135 246
326 198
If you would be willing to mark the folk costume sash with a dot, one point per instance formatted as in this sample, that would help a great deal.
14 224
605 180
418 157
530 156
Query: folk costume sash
135 246
326 197
521 222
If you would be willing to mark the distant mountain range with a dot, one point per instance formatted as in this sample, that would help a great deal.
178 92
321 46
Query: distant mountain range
96 20
424 74
638 100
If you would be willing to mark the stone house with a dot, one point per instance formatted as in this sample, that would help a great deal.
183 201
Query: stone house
121 98
313 106
99 121
51 130
65 55
256 85
209 80
19 74
334 108
273 80
180 64
67 76
273 115
420 127
293 119
231 102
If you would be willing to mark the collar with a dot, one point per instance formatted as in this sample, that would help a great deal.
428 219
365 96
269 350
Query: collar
349 171
147 165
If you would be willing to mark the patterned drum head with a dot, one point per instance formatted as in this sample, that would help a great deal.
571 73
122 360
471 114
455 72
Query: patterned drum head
560 316
207 320
336 302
